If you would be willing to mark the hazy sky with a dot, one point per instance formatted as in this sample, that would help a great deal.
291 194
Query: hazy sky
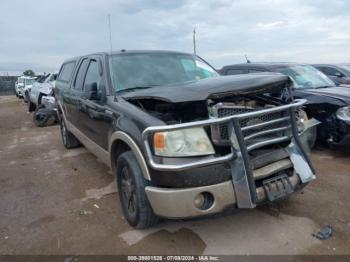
40 34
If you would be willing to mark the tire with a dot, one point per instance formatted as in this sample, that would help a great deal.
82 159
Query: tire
313 138
68 139
25 97
32 107
41 120
131 187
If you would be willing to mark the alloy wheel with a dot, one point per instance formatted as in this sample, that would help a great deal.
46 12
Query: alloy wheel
128 191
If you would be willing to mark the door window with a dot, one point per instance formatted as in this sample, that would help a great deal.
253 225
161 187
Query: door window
92 74
79 79
66 71
331 71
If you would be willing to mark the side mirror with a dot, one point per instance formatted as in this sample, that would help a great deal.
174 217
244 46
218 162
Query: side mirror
90 91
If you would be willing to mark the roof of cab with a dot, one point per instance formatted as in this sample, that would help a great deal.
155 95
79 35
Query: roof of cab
124 51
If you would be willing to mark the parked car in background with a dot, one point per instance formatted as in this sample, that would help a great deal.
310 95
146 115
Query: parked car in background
325 102
23 87
28 83
19 86
183 141
42 101
340 73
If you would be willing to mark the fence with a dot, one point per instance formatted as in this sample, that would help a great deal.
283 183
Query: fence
7 85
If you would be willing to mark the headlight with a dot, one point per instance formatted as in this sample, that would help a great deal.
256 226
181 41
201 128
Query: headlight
301 119
343 113
184 142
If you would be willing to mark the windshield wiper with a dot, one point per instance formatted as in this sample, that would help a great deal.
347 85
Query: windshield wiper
134 88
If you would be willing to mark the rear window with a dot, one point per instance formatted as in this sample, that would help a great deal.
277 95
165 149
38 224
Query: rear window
66 71
256 71
235 71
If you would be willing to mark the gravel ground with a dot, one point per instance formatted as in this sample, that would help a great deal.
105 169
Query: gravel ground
55 201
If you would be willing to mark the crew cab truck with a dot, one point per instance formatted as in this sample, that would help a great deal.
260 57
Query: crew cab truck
181 140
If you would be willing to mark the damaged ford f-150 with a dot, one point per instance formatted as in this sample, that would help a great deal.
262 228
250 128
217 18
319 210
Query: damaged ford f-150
181 140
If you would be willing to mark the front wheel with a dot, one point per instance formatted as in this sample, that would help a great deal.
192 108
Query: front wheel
42 118
131 187
26 96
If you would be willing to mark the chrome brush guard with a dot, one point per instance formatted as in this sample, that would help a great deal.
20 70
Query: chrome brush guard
242 133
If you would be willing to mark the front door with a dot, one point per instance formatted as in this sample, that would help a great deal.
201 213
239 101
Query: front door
94 118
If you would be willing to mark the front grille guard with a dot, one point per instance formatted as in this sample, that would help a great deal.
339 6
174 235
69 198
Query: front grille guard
242 173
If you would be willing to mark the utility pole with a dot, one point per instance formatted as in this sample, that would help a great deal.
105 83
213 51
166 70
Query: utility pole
110 32
194 41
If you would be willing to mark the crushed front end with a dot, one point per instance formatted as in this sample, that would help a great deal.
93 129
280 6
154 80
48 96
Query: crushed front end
255 145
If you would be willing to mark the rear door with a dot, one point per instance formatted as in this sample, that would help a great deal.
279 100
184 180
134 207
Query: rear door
76 93
63 87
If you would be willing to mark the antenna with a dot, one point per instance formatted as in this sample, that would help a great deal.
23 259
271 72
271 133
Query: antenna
194 41
246 58
110 33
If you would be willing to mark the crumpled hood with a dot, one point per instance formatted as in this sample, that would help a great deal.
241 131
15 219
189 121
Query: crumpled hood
46 88
215 87
340 93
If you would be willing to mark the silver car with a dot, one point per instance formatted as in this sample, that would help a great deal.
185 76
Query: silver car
42 88
42 101
24 85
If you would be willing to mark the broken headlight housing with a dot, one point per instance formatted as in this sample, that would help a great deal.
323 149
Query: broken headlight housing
302 118
343 113
182 143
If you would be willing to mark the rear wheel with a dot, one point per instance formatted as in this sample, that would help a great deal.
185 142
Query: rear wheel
68 139
131 187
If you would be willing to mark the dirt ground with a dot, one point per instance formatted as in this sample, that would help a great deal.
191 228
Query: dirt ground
55 201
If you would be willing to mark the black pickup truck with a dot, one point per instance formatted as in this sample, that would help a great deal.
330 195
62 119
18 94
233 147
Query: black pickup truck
181 140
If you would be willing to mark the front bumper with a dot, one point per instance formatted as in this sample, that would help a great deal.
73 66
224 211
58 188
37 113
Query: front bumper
344 142
20 92
339 133
49 102
180 203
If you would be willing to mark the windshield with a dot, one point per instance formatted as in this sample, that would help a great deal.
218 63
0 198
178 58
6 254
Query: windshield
30 81
154 69
42 79
305 76
20 80
48 78
346 68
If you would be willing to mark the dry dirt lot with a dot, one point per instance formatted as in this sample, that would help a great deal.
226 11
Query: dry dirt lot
55 201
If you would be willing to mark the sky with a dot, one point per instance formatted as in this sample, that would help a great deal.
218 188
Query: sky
41 34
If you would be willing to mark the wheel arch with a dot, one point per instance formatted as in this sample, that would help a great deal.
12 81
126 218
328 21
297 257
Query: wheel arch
121 142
